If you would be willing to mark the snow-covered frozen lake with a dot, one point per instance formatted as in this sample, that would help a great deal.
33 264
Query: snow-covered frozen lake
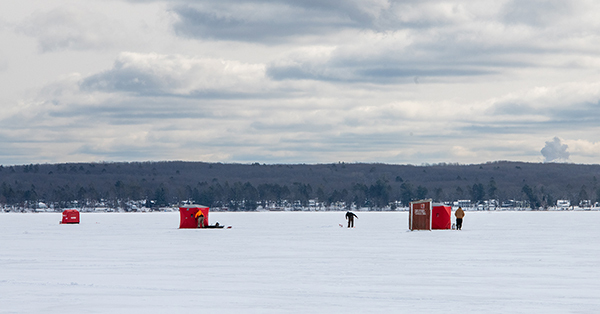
300 262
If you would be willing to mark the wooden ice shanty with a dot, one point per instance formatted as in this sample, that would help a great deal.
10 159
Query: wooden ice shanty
425 215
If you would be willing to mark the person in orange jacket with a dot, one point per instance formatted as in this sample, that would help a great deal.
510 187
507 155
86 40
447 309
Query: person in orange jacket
460 214
200 216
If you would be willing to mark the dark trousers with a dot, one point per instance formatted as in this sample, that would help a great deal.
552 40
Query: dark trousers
351 222
459 223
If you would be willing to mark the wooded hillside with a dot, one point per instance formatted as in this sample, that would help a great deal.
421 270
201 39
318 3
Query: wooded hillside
241 186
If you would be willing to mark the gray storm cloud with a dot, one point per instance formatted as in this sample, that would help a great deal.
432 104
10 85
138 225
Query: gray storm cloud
555 151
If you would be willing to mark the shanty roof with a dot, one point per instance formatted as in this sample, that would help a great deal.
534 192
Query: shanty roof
193 206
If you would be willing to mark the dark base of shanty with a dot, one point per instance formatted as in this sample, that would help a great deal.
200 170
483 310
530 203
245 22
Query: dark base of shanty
211 227
68 223
215 227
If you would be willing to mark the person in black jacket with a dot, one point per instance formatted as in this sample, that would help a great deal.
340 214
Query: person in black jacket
350 216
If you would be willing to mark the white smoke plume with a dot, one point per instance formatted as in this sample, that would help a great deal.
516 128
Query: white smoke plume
555 151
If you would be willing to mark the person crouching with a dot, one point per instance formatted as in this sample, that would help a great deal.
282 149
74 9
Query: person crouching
200 216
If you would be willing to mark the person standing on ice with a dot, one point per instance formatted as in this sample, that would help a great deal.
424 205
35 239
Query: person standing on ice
460 214
350 216
200 216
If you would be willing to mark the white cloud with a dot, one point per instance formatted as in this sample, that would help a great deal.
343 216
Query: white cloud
70 27
567 102
273 21
155 74
584 148
461 152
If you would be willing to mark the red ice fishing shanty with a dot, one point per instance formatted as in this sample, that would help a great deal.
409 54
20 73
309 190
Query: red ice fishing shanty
70 216
187 216
425 215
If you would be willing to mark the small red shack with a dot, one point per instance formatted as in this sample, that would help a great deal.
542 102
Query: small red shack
419 215
70 216
441 217
186 216
424 215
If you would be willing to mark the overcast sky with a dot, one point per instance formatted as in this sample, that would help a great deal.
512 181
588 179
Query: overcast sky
302 81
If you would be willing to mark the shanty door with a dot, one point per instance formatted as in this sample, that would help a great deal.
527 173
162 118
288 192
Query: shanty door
421 216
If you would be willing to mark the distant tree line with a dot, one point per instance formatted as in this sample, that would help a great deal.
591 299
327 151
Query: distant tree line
246 186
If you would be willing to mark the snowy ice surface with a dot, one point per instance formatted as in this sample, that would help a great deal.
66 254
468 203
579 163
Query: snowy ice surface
300 262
